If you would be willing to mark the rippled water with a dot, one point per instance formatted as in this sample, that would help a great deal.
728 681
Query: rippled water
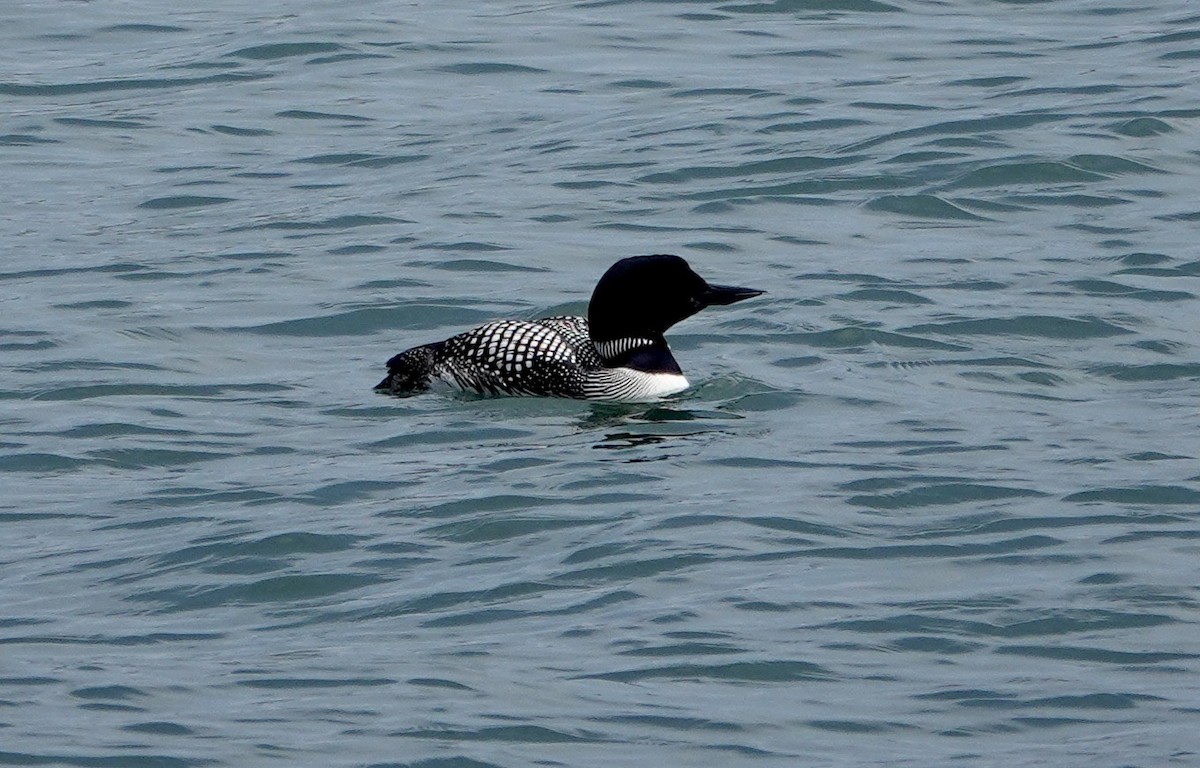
932 500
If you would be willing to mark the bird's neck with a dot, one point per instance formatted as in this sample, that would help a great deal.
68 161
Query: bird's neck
648 353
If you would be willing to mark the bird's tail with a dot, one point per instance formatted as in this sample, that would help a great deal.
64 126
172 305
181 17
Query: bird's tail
411 371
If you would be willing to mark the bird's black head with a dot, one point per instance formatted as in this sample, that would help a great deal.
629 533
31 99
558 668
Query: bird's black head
643 296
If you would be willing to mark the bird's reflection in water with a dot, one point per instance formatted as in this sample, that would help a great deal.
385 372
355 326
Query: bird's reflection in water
633 425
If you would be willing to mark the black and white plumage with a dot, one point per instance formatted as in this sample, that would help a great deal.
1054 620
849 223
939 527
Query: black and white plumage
617 353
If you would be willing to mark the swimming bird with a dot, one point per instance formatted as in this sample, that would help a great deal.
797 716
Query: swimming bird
617 352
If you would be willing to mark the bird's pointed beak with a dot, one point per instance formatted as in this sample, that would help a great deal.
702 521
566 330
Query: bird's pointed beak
727 294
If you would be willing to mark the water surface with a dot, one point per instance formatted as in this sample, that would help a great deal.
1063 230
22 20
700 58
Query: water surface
932 500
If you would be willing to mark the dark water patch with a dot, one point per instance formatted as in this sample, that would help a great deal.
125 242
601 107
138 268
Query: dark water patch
154 390
479 616
119 430
1091 701
193 497
85 122
1061 623
1159 346
589 554
794 526
340 57
857 278
784 165
117 268
812 125
334 494
141 458
507 734
641 84
30 680
923 206
259 175
429 438
276 590
924 157
1110 288
362 160
1041 723
184 201
108 692
457 761
759 402
856 336
1156 456
1023 544
479 531
885 296
674 723
1071 200
231 130
1092 654
806 361
314 683
775 671
890 106
303 114
159 728
932 644
683 649
988 82
1111 165
495 503
629 569
586 185
97 304
274 547
1026 173
1010 525
971 697
1139 495
143 28
1187 55
489 68
964 132
110 759
1038 326
1142 259
25 140
38 462
361 322
945 447
437 682
1143 127
809 192
811 6
607 600
760 462
1150 372
857 726
336 223
471 265
980 362
1184 216
107 86
283 50
723 92
27 346
974 285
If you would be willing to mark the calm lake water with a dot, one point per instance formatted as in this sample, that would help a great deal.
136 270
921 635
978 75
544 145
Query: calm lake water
933 500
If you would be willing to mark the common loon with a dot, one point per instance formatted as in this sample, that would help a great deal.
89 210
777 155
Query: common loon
616 353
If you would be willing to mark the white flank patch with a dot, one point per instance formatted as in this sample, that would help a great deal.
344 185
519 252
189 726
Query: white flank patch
632 386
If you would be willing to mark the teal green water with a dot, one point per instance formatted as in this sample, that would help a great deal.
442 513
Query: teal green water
933 500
